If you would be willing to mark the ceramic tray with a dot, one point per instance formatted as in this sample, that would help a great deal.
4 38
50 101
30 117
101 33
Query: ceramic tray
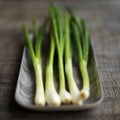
25 90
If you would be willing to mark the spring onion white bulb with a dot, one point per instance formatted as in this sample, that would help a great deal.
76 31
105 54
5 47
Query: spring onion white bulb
39 95
75 93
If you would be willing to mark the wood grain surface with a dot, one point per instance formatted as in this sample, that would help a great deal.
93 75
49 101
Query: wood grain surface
103 19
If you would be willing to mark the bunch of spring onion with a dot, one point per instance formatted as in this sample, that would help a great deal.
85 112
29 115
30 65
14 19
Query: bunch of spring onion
61 42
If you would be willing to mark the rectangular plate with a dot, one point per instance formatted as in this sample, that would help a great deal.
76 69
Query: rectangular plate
25 89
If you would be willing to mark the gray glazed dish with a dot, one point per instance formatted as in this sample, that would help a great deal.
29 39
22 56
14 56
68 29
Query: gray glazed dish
24 94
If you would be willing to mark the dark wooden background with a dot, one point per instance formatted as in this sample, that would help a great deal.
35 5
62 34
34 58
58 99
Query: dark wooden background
103 18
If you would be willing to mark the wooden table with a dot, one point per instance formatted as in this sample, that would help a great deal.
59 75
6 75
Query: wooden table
103 19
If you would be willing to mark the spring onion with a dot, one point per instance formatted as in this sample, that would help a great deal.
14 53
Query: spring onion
57 23
83 49
52 96
68 64
36 60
